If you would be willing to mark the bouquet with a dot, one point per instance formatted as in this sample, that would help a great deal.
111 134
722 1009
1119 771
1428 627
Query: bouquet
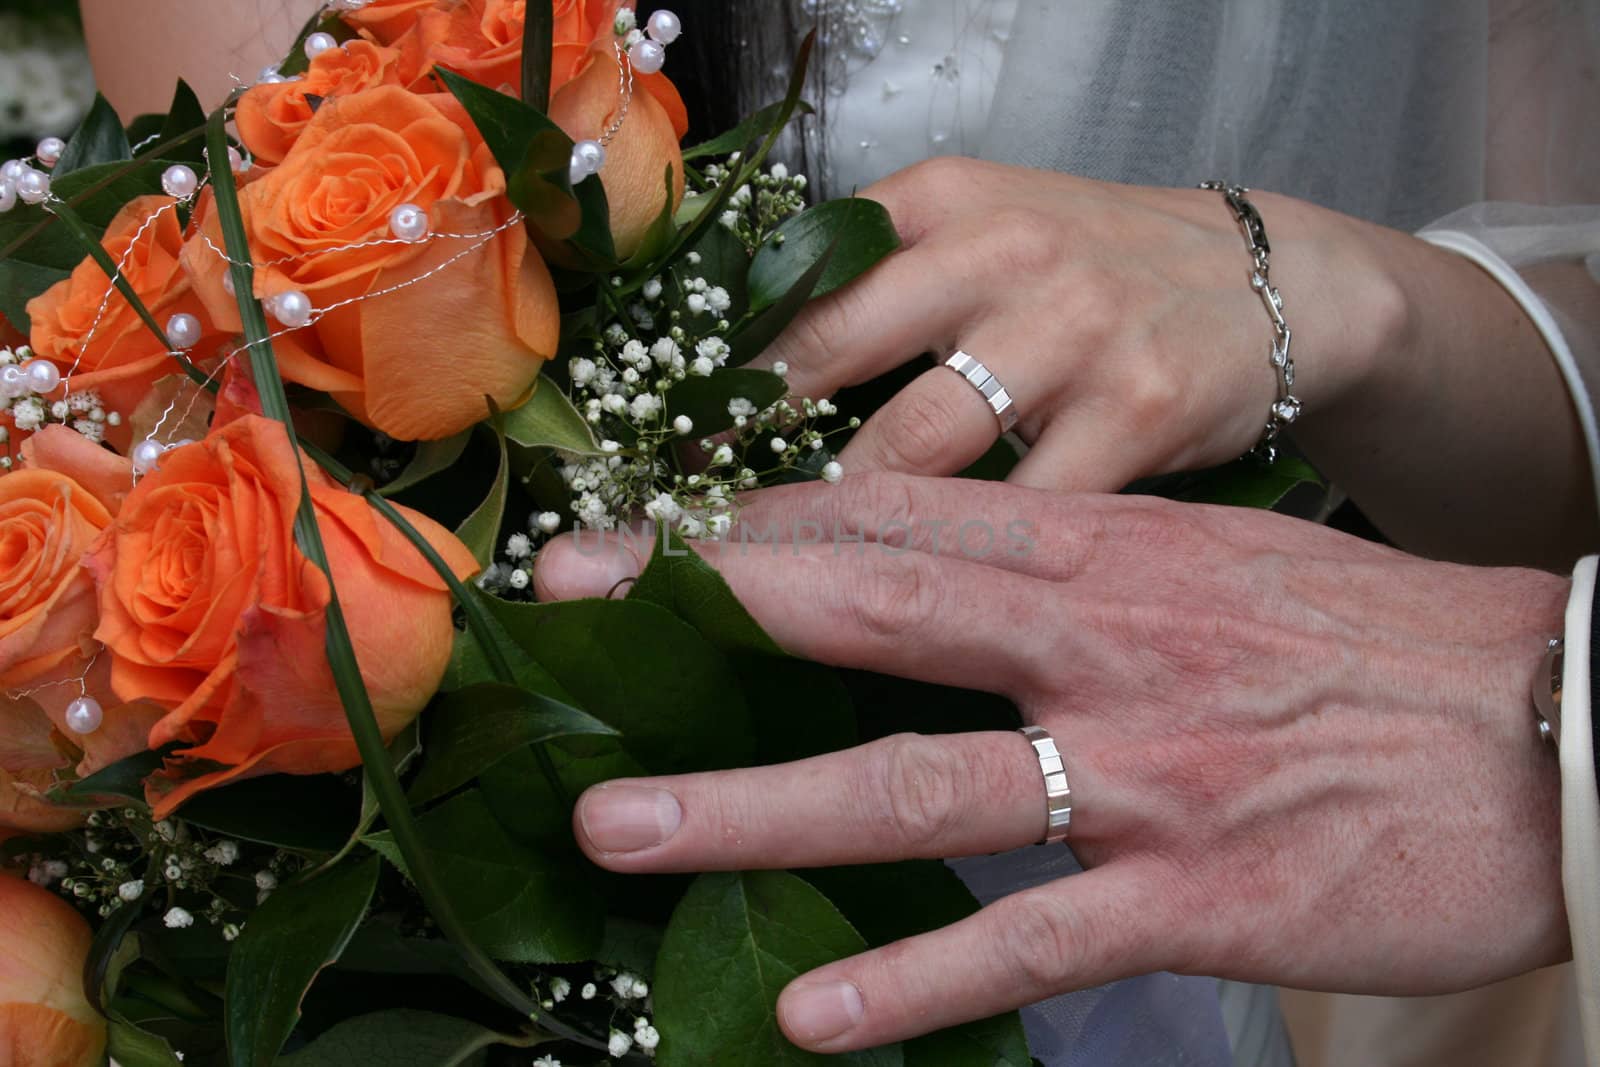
292 395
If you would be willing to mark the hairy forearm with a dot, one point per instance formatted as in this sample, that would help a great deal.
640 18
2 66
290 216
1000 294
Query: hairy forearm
1450 425
140 50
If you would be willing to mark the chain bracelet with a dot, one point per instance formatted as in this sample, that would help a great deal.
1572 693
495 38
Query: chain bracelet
1286 408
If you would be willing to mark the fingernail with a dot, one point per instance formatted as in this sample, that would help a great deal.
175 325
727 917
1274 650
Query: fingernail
628 818
589 564
817 1013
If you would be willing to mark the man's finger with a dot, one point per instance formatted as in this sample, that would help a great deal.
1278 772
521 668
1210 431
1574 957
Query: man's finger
905 797
999 525
942 620
1074 933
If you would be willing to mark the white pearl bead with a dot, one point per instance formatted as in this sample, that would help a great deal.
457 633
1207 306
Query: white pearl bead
292 308
319 43
85 715
43 376
13 381
269 76
236 161
647 56
12 169
227 283
49 150
8 195
664 26
183 330
577 171
179 181
593 154
146 455
409 223
34 187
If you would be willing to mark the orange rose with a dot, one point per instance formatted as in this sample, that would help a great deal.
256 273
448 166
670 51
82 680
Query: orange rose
478 39
115 353
417 360
386 21
45 1020
637 160
208 610
272 117
47 604
51 511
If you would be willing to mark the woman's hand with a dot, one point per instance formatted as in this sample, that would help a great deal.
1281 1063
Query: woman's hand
1295 757
1122 322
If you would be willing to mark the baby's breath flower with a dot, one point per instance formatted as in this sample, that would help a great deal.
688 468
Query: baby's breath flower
178 919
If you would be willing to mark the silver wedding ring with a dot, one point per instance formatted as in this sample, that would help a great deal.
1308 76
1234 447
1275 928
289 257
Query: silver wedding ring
994 394
1057 793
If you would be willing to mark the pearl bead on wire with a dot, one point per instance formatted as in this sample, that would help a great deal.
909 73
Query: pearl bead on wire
179 181
34 186
49 150
648 56
292 308
183 330
43 376
319 43
587 158
13 382
269 76
12 169
146 455
85 715
409 223
8 195
664 26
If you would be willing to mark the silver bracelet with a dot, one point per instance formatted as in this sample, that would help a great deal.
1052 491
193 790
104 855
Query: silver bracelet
1287 407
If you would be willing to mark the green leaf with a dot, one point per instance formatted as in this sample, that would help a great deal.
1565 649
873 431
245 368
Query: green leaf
301 929
751 339
519 905
734 942
638 669
480 531
538 46
19 283
858 232
310 813
432 457
533 151
99 139
400 1038
705 400
752 129
724 262
548 420
106 952
535 812
798 708
123 780
892 901
472 729
184 116
1244 483
133 1047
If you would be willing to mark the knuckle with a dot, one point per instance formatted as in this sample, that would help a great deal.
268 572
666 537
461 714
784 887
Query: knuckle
926 785
887 502
896 594
1040 944
942 174
1027 243
918 427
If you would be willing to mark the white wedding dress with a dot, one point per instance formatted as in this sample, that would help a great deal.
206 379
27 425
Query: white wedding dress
1473 121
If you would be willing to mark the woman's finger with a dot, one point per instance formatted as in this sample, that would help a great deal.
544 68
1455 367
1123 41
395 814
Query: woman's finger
915 301
1080 452
937 425
1074 933
934 619
905 797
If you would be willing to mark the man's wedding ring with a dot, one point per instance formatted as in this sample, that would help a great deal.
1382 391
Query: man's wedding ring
1057 793
994 394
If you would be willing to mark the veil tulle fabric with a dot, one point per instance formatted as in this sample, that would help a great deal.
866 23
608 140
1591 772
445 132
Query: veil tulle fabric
1476 120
